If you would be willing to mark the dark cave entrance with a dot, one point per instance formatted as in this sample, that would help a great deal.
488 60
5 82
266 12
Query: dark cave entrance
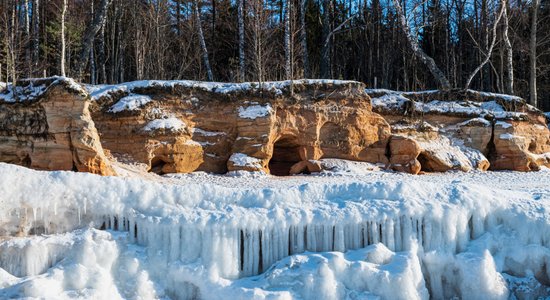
285 154
157 164
424 163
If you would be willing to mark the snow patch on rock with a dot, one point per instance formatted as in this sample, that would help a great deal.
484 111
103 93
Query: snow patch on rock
130 102
243 160
255 111
171 123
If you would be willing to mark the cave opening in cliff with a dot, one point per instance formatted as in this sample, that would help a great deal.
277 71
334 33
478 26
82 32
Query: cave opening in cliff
285 155
157 164
424 163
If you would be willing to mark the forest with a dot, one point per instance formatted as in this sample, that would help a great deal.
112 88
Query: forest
491 45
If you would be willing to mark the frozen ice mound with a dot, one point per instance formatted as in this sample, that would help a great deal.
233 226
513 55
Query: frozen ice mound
399 237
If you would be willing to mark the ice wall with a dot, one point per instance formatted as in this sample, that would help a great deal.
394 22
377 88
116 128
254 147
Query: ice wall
464 232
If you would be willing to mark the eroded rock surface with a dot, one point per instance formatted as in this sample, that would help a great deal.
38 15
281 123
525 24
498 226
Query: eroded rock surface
48 126
465 130
281 128
185 126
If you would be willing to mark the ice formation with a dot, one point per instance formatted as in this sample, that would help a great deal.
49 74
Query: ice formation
329 236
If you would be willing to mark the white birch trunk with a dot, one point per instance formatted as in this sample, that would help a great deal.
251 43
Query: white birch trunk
509 82
303 33
418 52
491 47
288 46
202 42
242 65
533 55
63 12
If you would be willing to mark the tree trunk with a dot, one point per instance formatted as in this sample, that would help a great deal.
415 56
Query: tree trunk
91 31
35 34
491 47
242 65
533 55
303 34
28 38
63 12
101 56
288 45
418 52
509 82
202 42
325 49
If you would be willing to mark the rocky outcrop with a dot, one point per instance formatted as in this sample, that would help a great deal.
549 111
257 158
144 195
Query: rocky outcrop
47 125
464 130
277 127
280 128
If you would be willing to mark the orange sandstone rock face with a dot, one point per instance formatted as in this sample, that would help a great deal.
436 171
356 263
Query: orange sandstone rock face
186 127
53 131
464 130
280 128
404 154
521 146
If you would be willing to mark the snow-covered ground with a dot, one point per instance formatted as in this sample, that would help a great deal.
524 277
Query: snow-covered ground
355 232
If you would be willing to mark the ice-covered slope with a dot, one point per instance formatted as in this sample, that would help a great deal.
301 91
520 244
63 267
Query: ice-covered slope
471 235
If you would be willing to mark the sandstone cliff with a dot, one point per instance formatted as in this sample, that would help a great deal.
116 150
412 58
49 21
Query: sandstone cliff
45 124
276 127
464 130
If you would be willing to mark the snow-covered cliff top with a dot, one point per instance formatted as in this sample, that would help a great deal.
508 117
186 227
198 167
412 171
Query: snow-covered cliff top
33 88
273 87
461 103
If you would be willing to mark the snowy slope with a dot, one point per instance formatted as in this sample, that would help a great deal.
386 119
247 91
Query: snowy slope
330 236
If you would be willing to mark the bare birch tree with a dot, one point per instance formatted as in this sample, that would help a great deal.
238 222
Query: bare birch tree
35 34
202 41
89 34
325 48
418 52
509 82
63 13
303 37
242 64
491 47
533 54
288 43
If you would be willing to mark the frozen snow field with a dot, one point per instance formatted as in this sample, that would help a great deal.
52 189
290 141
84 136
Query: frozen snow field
353 233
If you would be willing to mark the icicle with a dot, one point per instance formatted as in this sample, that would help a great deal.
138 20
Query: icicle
175 241
132 233
408 234
339 238
364 234
397 234
389 234
427 234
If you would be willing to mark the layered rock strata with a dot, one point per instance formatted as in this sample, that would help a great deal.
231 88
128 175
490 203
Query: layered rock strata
465 130
280 128
46 125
